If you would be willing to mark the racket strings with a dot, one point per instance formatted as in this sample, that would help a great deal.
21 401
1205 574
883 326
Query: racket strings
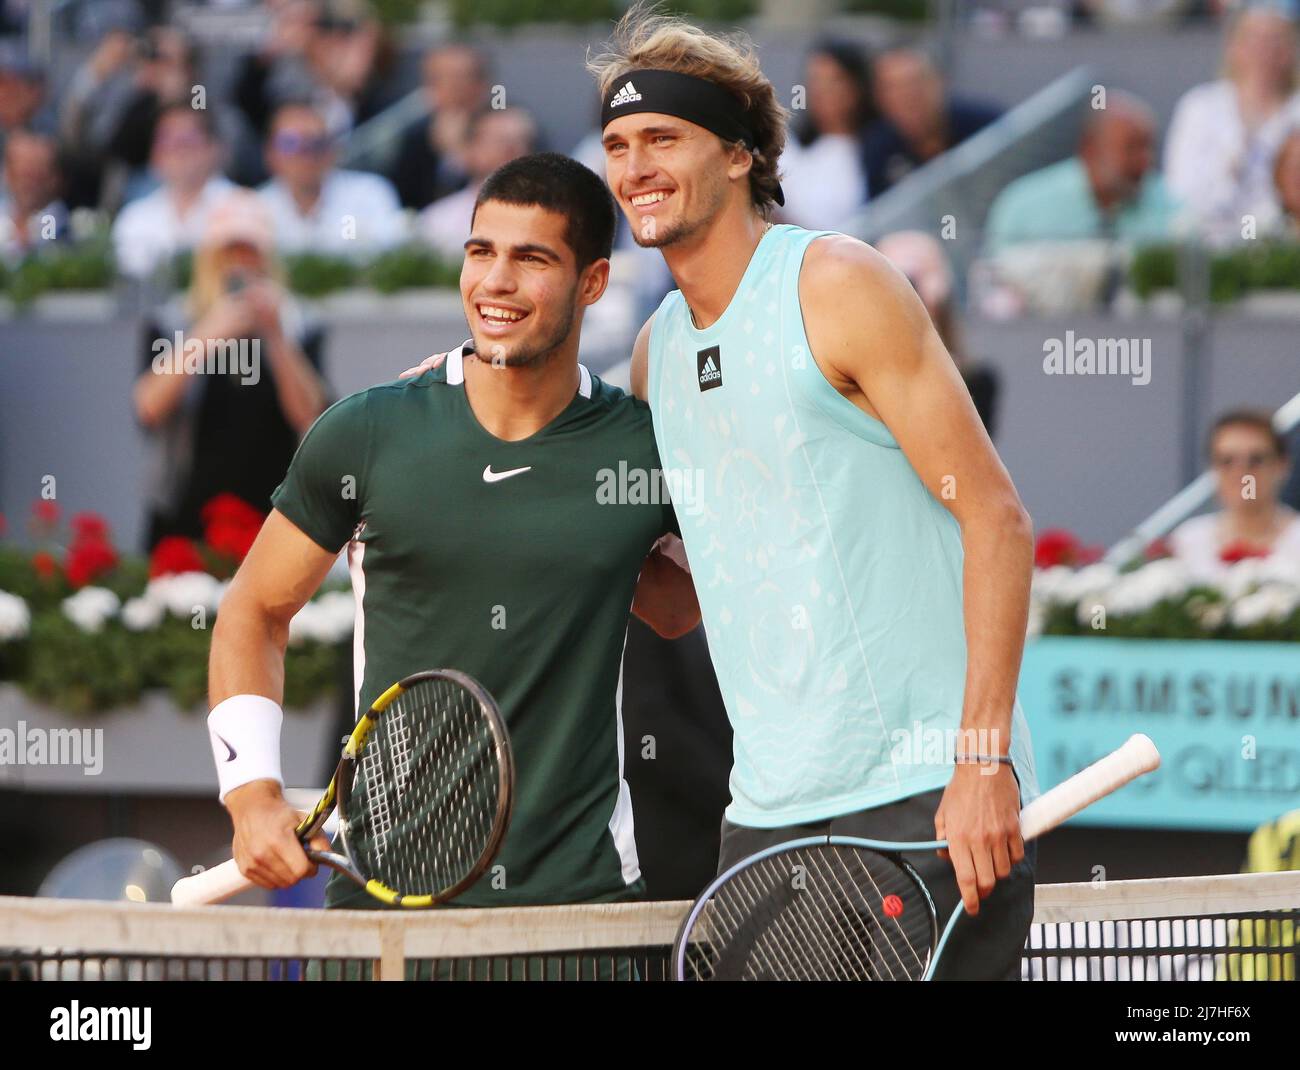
779 950
860 884
829 912
427 790
775 950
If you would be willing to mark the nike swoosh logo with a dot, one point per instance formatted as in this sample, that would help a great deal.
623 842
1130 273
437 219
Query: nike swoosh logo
231 750
490 476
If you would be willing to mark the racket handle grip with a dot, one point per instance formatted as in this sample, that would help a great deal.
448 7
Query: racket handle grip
1137 756
210 886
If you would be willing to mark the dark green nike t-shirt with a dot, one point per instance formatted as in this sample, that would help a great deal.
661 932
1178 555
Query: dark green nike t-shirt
508 561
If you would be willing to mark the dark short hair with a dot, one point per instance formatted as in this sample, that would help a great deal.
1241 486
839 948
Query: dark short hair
562 185
1253 418
295 104
852 59
203 116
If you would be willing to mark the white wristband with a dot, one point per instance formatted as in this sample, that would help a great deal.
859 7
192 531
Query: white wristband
245 734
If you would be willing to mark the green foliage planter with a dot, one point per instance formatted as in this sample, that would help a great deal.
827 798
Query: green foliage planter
86 673
1233 274
85 630
75 267
89 268
410 267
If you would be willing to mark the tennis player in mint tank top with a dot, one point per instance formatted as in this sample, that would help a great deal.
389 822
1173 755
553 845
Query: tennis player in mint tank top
861 558
482 534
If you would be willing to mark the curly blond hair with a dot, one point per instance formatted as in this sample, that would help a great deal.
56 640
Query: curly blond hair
645 39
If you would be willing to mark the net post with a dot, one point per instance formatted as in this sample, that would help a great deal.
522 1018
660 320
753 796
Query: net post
391 964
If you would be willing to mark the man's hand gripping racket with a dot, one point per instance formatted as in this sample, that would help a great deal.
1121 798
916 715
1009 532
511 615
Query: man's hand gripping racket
424 792
858 911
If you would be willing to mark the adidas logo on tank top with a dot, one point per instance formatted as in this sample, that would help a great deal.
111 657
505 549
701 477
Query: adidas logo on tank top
709 363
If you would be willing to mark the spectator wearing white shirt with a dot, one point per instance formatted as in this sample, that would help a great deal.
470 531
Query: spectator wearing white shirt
822 171
493 139
317 207
185 157
31 213
1224 135
1250 463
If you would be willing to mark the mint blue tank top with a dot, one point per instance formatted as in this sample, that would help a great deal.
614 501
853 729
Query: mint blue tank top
830 579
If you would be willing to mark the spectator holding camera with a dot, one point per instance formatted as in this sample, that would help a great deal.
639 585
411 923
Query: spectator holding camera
340 65
95 101
230 382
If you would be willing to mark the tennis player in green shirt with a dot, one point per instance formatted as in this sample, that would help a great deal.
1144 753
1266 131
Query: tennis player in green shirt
484 531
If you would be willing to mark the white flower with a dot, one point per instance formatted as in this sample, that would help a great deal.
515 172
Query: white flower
340 608
1209 615
183 593
1036 619
327 619
1280 569
1049 584
1272 602
1085 588
83 222
142 615
15 617
1243 576
1136 592
90 607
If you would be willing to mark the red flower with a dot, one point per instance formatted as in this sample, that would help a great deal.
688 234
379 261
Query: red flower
230 525
45 513
1056 546
1090 555
90 527
1240 550
45 565
230 509
175 554
233 540
88 560
1157 548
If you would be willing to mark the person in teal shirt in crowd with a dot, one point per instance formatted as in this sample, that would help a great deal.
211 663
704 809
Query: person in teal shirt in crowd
1108 190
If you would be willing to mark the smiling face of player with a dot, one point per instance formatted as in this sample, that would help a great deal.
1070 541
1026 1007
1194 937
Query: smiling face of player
670 177
522 289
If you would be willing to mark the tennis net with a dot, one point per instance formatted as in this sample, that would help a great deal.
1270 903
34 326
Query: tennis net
1238 927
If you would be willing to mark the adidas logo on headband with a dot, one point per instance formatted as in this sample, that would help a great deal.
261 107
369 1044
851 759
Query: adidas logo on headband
626 95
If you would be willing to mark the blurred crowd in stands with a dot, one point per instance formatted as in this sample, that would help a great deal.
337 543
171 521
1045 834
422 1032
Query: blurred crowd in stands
239 178
134 135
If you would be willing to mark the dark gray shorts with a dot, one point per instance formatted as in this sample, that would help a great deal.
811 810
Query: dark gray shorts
986 947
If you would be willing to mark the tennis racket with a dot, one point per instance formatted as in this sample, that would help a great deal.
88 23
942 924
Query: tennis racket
829 908
424 793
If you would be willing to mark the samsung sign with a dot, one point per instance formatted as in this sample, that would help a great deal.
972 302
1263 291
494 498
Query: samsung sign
1226 717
